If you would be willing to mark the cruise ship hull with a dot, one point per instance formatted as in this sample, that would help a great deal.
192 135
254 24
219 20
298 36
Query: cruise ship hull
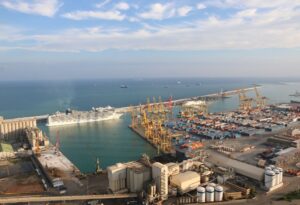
78 119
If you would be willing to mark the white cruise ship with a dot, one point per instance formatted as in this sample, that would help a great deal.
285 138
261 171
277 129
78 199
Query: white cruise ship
76 117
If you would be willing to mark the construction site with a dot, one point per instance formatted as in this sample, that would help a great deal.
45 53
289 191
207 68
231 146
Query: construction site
202 157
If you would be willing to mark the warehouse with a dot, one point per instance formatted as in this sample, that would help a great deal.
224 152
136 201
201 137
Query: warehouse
241 168
185 181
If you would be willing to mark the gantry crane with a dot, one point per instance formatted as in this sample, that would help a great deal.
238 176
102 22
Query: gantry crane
134 117
245 102
150 118
261 101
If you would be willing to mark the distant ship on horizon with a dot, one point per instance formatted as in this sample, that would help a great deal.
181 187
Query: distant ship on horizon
123 86
296 94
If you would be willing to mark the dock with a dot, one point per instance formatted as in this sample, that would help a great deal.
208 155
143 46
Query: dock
140 132
208 97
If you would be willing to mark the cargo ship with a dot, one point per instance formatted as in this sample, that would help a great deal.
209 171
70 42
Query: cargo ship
77 117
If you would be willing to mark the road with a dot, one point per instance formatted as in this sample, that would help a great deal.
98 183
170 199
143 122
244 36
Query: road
28 199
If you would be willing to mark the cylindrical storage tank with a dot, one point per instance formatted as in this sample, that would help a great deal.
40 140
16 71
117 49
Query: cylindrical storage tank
219 193
268 169
210 194
277 173
211 184
272 167
270 180
200 194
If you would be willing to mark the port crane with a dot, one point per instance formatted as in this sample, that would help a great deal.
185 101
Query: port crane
245 102
153 116
261 101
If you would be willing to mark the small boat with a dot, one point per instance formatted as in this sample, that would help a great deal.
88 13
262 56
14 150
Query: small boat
123 86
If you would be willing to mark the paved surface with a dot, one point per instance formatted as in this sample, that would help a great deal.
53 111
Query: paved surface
8 200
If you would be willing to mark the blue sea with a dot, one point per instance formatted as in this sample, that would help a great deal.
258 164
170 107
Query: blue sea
112 141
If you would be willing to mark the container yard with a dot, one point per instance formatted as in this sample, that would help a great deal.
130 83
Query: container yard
203 157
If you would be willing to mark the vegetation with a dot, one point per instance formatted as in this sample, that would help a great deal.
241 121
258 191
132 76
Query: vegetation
291 196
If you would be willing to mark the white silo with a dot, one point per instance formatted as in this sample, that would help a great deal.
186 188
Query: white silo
211 184
280 175
277 173
268 169
200 194
270 180
219 193
210 194
272 167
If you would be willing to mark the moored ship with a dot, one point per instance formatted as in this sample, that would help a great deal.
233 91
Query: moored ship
77 117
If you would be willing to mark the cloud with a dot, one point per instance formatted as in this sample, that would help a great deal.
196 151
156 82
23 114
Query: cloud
200 6
102 4
159 11
183 11
105 15
245 28
43 8
246 13
251 3
122 6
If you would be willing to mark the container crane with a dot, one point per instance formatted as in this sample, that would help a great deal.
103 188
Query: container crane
261 101
245 102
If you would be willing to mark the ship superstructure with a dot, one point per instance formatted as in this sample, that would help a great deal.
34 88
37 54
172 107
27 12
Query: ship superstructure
78 117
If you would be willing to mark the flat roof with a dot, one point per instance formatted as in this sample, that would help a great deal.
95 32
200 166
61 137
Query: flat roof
239 167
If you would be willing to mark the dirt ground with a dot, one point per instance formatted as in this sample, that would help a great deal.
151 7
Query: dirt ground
21 184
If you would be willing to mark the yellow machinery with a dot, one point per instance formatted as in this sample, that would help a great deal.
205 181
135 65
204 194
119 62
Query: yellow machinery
134 117
261 101
245 102
152 116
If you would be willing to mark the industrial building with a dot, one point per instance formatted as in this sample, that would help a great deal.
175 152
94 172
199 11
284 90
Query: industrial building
13 128
284 141
239 167
186 181
128 177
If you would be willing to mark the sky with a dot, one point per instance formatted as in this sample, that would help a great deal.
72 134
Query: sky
83 39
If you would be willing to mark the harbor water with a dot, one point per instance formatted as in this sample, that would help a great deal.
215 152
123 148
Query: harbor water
112 141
